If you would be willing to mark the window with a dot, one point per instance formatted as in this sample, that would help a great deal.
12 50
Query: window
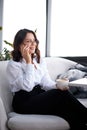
19 14
69 28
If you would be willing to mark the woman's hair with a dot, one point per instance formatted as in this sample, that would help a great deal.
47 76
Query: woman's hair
18 40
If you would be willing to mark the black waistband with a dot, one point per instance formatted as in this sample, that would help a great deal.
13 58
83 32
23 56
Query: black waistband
36 90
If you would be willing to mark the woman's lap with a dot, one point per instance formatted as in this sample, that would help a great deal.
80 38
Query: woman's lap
51 102
44 102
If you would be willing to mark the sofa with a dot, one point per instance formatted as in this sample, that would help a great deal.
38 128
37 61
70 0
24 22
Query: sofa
9 120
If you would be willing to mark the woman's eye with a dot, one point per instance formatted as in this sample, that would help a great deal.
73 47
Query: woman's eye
28 41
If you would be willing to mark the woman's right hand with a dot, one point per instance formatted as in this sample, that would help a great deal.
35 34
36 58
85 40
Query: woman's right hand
26 54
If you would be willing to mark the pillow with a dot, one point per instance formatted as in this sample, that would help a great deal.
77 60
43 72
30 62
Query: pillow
74 74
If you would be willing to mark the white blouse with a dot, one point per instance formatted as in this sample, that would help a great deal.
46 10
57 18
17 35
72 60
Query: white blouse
22 76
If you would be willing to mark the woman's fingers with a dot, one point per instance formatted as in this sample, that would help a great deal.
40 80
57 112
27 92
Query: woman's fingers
25 53
63 87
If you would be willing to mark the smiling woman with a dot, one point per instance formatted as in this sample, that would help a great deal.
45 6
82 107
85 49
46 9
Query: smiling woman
34 90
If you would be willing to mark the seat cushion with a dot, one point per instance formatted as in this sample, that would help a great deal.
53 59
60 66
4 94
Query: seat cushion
36 122
83 101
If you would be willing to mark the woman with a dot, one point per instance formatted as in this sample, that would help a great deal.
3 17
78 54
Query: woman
34 91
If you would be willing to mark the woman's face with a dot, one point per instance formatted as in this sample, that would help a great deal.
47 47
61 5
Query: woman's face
29 42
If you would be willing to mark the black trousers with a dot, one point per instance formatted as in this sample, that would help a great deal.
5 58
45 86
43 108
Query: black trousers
51 102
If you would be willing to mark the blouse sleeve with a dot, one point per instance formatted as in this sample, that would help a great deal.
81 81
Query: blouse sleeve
18 79
47 83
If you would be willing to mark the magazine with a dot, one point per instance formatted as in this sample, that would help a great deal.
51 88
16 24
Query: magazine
79 82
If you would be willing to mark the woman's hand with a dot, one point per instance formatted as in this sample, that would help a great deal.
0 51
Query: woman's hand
25 51
62 84
62 87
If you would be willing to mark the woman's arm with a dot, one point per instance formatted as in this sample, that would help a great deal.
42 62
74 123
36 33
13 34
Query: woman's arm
18 78
47 83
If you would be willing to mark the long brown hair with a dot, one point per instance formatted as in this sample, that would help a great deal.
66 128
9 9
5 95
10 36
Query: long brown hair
18 40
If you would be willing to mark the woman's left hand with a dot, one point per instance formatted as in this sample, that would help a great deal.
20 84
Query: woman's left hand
62 84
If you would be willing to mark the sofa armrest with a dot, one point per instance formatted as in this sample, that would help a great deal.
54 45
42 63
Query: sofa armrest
3 116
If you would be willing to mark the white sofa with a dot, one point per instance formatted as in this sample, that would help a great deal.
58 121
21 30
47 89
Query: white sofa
13 121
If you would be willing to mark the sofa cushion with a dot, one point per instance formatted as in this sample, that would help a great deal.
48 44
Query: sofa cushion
83 101
74 74
58 65
5 92
36 122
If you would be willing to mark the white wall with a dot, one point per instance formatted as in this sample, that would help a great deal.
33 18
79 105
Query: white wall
69 28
